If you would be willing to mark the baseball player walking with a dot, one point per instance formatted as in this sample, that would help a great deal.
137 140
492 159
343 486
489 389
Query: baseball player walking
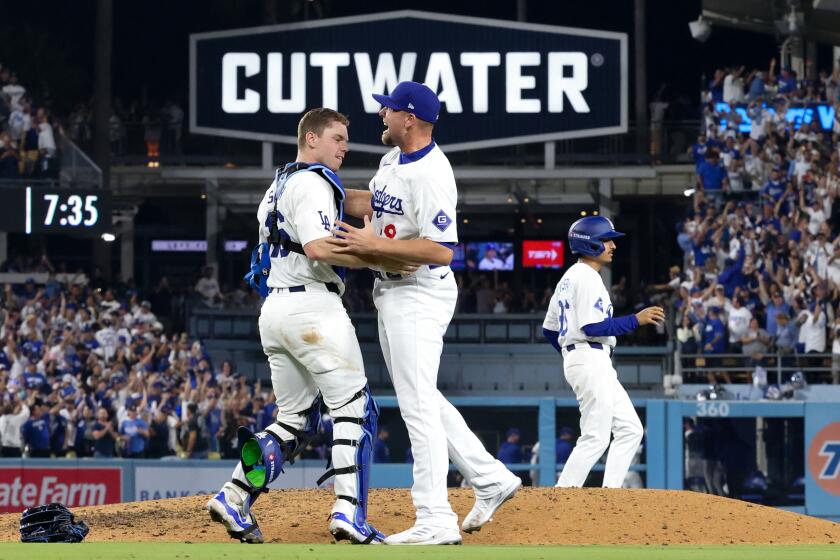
409 215
580 325
310 343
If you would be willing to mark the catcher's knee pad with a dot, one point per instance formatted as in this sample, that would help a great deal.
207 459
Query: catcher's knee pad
354 429
262 454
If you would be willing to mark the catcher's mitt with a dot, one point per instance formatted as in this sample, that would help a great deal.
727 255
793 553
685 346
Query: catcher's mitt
51 523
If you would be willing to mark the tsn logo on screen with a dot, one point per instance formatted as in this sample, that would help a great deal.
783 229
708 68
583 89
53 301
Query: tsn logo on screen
542 254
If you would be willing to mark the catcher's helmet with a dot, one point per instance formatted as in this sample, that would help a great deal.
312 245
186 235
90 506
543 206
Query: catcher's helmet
587 234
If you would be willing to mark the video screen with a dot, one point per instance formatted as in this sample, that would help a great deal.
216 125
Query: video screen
542 254
489 255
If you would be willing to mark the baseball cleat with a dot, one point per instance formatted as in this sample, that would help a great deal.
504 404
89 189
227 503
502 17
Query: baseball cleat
344 529
425 534
230 510
484 508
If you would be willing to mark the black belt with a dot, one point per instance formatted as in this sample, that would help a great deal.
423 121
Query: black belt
388 275
596 345
331 287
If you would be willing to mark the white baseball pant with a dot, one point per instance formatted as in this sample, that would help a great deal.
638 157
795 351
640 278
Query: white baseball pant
311 345
413 316
605 408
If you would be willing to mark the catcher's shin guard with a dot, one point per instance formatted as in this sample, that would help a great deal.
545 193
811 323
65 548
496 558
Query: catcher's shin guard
262 456
353 432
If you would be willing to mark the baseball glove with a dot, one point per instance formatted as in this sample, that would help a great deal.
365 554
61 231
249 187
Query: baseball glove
51 523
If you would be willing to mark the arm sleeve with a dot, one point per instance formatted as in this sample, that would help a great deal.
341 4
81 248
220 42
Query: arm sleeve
436 201
553 337
314 207
612 326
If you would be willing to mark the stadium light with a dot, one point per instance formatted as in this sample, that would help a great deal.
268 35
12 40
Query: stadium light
700 29
108 237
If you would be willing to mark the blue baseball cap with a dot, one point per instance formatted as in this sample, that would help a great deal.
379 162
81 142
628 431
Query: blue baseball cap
414 98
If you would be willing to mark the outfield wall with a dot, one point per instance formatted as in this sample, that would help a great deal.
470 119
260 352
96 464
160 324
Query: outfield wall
79 482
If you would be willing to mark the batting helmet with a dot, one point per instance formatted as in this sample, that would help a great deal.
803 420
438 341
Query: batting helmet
587 234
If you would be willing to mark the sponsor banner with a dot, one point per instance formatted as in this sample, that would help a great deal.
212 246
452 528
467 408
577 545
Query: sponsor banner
500 83
819 115
179 245
23 487
159 482
539 254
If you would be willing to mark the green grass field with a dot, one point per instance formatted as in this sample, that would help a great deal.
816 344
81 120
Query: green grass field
232 551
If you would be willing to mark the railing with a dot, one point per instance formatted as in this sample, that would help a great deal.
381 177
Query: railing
474 328
77 169
779 367
665 144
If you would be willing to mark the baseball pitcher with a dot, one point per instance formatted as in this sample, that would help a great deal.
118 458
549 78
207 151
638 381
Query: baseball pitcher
411 203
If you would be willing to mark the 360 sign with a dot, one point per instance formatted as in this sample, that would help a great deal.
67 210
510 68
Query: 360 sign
500 83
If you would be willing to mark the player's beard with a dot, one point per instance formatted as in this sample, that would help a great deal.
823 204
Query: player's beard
386 137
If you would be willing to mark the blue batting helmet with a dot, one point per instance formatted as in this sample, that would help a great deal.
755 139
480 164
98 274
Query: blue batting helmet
587 234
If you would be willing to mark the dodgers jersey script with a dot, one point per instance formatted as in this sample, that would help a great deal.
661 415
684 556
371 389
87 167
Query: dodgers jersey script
307 212
580 299
415 198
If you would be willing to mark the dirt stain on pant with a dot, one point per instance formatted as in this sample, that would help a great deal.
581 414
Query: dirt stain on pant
311 336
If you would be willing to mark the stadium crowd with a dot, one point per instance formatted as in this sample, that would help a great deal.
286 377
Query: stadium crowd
761 267
89 371
27 139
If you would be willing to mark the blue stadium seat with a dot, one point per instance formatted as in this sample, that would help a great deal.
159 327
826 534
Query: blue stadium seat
627 373
650 374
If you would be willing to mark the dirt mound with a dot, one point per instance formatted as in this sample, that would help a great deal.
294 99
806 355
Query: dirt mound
548 516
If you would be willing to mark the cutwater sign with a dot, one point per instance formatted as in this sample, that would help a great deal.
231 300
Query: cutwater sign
500 83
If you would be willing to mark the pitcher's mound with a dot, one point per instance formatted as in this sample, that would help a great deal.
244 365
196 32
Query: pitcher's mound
548 516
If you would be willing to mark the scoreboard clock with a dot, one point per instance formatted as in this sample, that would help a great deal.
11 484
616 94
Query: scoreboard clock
29 210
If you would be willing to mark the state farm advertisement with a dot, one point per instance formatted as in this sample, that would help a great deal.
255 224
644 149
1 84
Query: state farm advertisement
542 254
25 487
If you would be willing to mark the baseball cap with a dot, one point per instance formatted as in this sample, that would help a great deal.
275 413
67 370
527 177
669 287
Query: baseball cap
413 97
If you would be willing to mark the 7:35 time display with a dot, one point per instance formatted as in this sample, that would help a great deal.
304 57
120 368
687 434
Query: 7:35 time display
85 212
32 210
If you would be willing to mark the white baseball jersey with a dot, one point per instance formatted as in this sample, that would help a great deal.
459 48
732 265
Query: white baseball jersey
580 299
307 211
415 199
